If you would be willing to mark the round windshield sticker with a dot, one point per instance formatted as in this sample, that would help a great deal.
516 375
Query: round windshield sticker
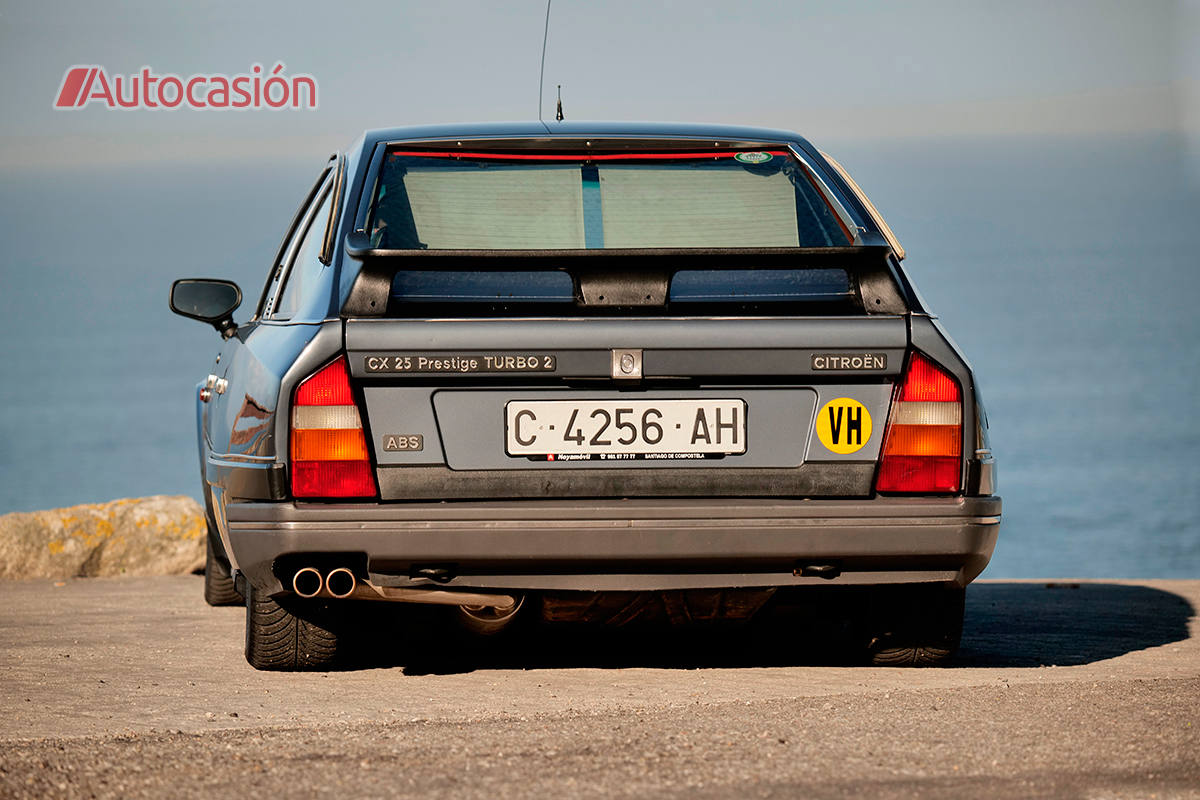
753 158
844 425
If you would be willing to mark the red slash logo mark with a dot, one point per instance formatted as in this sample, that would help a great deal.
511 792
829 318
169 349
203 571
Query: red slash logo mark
72 93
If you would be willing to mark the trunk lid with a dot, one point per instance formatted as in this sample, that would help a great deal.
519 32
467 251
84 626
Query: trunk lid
759 406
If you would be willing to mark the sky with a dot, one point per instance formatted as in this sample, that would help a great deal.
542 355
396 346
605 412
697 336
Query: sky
843 71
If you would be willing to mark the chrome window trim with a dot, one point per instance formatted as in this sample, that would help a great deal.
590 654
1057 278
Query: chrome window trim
877 218
339 185
852 223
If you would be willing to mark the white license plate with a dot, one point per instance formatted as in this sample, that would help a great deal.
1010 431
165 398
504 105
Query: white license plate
603 429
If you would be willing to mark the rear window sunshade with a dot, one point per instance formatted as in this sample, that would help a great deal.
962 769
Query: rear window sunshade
497 201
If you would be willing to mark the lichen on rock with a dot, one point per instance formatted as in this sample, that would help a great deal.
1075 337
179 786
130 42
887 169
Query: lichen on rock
160 535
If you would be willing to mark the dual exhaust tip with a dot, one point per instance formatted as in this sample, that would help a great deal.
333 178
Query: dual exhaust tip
309 582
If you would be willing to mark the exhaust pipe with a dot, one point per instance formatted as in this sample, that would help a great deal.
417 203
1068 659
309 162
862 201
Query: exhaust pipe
307 582
340 582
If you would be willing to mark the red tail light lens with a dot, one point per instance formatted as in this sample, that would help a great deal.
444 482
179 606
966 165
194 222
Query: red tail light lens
328 449
926 381
332 479
922 449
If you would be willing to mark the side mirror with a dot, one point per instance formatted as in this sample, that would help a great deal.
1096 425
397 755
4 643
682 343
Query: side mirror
208 300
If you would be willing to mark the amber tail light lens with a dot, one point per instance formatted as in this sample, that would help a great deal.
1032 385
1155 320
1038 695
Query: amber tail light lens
922 448
329 453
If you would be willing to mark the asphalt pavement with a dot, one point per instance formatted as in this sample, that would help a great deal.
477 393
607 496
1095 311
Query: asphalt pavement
134 688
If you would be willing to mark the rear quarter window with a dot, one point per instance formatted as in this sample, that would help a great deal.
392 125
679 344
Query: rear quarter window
302 278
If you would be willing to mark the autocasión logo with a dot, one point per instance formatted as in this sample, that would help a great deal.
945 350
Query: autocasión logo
86 85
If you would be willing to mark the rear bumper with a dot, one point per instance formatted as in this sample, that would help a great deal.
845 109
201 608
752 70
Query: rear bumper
636 544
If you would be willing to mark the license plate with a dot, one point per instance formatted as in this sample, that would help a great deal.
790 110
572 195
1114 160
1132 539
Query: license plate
603 429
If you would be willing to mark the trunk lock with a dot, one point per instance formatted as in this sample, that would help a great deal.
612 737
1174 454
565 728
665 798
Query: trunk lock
626 364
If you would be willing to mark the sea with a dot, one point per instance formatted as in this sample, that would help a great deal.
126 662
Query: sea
1065 269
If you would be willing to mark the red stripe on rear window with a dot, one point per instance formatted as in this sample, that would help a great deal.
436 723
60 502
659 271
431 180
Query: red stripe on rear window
583 156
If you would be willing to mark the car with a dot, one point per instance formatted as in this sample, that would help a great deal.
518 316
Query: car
586 371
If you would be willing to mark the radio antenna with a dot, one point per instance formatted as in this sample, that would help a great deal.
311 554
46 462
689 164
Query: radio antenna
558 113
542 74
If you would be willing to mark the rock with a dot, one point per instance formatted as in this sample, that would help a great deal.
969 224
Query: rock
159 535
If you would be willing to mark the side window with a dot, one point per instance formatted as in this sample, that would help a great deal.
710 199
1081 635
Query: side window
283 256
306 266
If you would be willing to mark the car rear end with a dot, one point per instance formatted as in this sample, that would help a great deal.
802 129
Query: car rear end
574 367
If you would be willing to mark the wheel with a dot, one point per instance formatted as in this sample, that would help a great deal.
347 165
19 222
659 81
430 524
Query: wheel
278 639
218 585
919 627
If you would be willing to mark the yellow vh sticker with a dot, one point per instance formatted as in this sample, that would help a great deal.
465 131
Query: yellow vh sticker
844 425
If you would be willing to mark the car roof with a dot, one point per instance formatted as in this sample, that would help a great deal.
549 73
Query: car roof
575 129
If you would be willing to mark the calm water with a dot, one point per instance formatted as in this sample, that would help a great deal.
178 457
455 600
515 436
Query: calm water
1065 271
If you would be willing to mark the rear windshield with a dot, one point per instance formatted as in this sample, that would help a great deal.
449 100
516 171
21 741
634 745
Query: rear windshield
562 201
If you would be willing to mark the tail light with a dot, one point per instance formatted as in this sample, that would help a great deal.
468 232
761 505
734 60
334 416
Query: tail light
922 449
328 449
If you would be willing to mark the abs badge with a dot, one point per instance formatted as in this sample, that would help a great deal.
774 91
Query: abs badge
844 425
753 158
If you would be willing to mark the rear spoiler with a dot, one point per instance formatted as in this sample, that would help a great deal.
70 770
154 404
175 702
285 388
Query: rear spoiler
622 277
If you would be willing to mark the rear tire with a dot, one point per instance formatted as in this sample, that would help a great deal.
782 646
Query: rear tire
920 627
278 639
218 585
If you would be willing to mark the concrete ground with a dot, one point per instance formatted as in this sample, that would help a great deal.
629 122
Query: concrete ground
135 688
